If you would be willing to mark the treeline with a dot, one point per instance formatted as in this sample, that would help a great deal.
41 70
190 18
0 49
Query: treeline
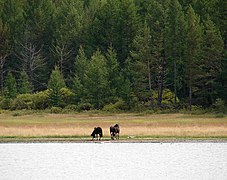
105 54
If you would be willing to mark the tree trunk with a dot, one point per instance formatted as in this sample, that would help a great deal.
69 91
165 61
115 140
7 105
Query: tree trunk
161 83
149 81
190 89
175 78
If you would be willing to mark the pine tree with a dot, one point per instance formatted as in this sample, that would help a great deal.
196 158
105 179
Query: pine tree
96 81
193 43
175 42
115 76
210 65
78 81
55 84
10 87
24 86
4 52
141 64
156 19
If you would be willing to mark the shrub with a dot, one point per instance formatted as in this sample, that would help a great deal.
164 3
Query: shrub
5 103
56 110
219 106
22 101
66 95
119 105
41 100
84 107
167 97
70 108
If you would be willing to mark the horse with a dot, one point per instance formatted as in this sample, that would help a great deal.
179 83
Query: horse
114 131
97 132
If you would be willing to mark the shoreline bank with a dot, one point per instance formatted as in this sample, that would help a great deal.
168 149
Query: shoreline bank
88 140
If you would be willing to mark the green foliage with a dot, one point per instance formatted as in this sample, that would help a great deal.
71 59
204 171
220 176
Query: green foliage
41 99
55 110
24 86
210 65
22 101
85 107
5 103
70 108
96 84
115 107
143 46
10 88
168 97
55 84
219 106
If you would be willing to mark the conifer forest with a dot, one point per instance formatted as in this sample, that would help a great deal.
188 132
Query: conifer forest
113 55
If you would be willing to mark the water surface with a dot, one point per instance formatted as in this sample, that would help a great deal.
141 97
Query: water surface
125 161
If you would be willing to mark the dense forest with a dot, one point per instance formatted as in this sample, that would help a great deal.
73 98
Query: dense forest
113 54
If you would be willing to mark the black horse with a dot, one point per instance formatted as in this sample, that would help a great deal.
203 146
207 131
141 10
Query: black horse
97 132
114 131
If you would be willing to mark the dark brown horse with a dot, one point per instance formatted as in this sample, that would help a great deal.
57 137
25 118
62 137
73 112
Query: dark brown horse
97 132
114 131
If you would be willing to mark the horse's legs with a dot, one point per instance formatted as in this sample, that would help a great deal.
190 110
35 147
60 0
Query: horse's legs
117 137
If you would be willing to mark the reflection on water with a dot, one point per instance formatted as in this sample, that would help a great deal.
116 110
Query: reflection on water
125 161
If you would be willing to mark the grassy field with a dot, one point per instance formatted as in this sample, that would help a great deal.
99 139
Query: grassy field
79 126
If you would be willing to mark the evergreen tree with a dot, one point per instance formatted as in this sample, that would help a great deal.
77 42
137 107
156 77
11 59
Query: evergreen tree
78 81
193 42
10 87
96 81
81 64
55 84
175 43
156 19
115 76
210 65
4 52
24 86
141 65
115 25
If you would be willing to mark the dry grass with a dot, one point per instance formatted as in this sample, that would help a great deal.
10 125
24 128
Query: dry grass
174 125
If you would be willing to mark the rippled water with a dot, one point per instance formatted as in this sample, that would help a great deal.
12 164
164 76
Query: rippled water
125 161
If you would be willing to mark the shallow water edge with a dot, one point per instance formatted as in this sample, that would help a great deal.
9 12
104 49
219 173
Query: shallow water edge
86 140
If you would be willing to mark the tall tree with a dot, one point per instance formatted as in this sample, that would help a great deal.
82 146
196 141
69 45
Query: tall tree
78 81
193 42
142 59
96 80
115 76
115 25
32 61
156 19
175 40
4 52
69 22
210 65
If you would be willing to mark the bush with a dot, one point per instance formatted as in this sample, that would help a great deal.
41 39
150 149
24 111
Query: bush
5 103
66 95
22 101
56 110
70 108
167 98
119 105
219 106
84 107
41 100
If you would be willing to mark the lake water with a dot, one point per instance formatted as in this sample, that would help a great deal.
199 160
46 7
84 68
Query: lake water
120 161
